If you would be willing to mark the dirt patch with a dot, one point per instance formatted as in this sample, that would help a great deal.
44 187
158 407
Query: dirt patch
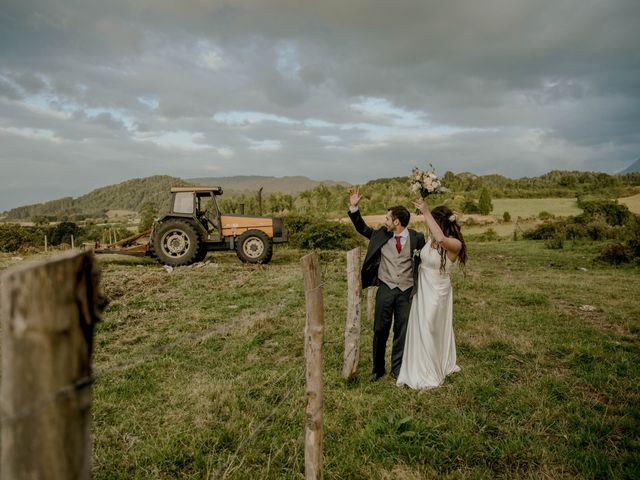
633 203
593 316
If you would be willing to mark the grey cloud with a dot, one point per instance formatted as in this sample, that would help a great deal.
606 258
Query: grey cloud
29 83
527 85
8 91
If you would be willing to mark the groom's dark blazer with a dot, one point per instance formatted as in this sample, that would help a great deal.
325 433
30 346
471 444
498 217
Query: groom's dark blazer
377 238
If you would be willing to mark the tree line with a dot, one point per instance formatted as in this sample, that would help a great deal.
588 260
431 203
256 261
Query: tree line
469 194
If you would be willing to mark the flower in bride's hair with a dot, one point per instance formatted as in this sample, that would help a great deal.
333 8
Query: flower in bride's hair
452 217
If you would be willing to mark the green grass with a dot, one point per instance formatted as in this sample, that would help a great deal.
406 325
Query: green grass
531 207
199 373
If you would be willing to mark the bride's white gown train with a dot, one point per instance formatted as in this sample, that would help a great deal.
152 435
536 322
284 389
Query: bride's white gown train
430 349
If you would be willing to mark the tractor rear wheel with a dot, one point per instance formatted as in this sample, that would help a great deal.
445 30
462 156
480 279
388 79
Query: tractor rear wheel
253 246
202 252
176 242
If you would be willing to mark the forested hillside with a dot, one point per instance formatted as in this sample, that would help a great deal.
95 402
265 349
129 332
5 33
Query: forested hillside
152 193
129 195
466 189
252 183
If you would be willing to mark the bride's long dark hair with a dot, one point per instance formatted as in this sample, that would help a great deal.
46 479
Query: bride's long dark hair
448 222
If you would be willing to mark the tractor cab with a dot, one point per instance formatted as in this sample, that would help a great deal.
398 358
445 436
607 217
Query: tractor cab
199 203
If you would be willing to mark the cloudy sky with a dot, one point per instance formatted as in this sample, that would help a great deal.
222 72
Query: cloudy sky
94 92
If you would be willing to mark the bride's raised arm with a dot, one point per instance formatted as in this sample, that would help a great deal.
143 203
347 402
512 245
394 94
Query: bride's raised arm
450 244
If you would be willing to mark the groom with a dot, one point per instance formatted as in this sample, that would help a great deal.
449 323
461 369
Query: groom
391 264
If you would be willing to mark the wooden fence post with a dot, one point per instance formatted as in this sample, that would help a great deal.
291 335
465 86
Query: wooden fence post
352 327
48 311
45 244
371 300
313 338
73 245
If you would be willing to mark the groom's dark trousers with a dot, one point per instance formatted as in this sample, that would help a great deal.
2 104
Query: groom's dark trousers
392 305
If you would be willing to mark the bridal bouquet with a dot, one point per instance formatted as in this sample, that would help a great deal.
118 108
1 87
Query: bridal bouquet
426 182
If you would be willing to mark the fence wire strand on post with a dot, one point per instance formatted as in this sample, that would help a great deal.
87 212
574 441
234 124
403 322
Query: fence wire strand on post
223 470
98 374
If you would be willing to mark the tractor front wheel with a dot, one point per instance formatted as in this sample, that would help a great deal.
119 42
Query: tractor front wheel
175 243
254 246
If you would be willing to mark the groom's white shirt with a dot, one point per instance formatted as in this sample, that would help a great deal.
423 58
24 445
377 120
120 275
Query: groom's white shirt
404 235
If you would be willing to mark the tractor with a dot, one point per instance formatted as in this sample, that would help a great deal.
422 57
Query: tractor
195 226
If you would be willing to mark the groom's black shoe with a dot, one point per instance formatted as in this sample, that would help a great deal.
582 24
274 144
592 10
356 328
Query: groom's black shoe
374 377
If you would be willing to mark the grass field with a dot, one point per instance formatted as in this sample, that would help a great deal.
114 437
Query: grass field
531 207
199 374
632 202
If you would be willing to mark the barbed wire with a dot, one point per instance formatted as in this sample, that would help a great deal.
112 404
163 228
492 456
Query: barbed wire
98 374
34 407
222 471
66 390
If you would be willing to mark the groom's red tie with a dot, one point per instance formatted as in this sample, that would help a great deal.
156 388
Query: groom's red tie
398 244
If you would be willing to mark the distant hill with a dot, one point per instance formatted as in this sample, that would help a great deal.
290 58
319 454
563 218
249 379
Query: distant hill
128 195
634 167
252 183
301 194
133 194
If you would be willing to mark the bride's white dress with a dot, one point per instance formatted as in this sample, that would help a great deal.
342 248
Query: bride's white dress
430 349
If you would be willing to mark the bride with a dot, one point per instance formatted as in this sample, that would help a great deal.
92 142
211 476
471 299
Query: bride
430 350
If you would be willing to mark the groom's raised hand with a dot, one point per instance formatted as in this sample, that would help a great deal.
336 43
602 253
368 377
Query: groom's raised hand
354 196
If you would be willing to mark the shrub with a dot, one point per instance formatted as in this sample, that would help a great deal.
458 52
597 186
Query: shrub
296 223
506 217
469 206
327 235
633 236
556 242
597 229
13 237
615 254
489 235
544 231
613 212
148 213
309 232
100 233
545 215
62 233
575 231
40 220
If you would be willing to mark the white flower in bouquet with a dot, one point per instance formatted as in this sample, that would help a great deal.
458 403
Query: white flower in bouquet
426 182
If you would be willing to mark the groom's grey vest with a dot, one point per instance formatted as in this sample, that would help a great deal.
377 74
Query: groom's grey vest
396 268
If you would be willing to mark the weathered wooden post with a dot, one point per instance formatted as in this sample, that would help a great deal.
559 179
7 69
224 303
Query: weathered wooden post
45 244
313 338
73 245
352 327
371 300
48 311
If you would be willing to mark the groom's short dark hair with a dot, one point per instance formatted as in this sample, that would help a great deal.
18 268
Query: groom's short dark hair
401 213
